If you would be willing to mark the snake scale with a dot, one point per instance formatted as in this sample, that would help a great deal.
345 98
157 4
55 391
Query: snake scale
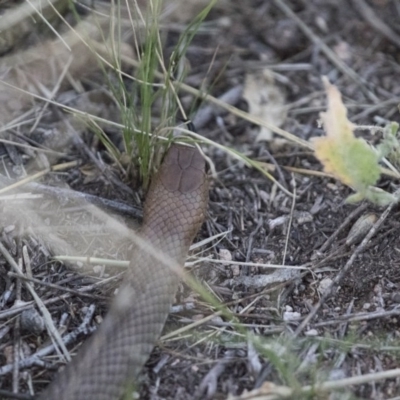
173 213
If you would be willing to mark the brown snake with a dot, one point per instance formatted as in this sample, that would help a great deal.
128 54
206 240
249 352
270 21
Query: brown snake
113 357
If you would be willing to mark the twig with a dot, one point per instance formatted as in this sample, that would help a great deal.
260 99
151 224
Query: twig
261 281
37 175
98 201
355 213
53 332
57 287
343 327
209 383
67 339
52 94
190 326
283 392
290 219
17 396
344 270
17 310
358 317
81 145
17 344
327 51
74 195
204 114
27 146
368 14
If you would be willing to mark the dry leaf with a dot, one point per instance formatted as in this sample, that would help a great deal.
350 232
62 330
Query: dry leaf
266 101
350 159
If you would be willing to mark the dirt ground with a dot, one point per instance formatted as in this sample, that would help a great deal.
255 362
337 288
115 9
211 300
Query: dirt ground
355 331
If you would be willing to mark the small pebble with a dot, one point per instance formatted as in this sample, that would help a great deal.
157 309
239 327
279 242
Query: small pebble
235 270
98 269
337 374
225 255
360 228
311 332
291 316
9 228
396 297
32 322
303 217
324 285
273 223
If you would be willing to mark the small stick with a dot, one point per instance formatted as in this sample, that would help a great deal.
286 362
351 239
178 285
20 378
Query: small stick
67 339
17 310
368 14
355 213
345 69
57 287
53 332
343 271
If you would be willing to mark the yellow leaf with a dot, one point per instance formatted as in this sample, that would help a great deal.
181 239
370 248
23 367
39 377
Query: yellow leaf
350 159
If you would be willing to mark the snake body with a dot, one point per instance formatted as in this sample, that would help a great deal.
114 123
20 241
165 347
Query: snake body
113 357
